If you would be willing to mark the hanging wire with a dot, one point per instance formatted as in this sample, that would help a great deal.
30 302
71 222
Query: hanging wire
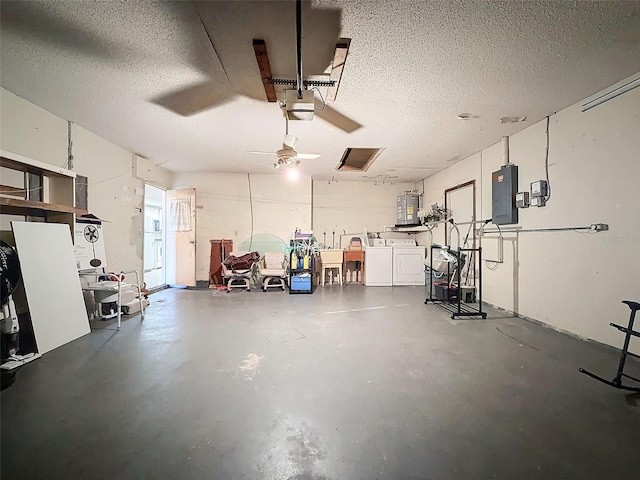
69 162
251 206
496 264
110 178
324 104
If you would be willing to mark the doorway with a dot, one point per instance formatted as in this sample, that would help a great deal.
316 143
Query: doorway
154 237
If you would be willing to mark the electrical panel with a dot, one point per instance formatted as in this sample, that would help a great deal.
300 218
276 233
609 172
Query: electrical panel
504 186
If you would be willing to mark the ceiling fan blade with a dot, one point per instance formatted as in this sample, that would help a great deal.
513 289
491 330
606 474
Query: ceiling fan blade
290 142
335 118
308 156
262 153
40 22
216 91
337 66
195 99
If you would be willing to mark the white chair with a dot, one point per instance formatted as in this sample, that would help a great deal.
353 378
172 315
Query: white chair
273 270
331 259
111 291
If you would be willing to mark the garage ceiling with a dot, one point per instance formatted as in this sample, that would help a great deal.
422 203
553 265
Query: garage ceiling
412 68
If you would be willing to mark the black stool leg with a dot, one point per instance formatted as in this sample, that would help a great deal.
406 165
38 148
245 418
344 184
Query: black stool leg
625 348
629 331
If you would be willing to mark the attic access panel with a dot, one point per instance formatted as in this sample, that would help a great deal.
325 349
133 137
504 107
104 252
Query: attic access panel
358 159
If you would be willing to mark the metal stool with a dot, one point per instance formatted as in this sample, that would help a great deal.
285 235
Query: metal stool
629 331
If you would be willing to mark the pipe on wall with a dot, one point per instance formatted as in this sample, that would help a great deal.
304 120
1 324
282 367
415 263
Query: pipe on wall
505 150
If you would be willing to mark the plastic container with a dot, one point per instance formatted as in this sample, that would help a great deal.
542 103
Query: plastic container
468 293
444 292
433 277
300 283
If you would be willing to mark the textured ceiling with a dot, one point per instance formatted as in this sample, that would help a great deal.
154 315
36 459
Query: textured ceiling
412 67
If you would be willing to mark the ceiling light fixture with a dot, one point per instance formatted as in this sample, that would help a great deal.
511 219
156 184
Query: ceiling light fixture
286 157
293 174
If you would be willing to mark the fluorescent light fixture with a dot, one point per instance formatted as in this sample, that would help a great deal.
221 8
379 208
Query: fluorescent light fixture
612 94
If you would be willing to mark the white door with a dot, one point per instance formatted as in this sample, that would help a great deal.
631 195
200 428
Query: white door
181 237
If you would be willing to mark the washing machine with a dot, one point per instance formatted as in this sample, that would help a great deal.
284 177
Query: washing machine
378 262
407 261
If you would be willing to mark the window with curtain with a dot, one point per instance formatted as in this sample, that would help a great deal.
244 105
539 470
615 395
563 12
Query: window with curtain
181 215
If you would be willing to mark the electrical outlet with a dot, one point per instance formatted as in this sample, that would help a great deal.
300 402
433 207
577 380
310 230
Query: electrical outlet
599 227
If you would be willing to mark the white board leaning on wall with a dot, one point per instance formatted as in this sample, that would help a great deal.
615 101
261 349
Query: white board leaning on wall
51 283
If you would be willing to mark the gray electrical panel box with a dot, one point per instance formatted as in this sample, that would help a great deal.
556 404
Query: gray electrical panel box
504 186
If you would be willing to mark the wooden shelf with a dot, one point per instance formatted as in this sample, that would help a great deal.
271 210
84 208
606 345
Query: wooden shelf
24 164
10 205
47 193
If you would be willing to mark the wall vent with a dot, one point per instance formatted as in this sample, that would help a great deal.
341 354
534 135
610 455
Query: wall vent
358 159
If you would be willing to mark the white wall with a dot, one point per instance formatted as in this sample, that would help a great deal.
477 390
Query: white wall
280 205
114 193
572 281
223 208
434 187
352 207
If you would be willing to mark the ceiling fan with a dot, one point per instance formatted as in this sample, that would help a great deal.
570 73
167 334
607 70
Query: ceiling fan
227 84
222 56
287 155
299 99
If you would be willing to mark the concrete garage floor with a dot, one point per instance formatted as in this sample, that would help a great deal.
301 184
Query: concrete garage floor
358 383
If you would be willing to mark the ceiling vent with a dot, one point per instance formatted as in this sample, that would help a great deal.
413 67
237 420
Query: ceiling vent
358 159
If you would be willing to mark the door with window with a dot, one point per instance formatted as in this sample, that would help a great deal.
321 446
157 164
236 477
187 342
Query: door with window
181 237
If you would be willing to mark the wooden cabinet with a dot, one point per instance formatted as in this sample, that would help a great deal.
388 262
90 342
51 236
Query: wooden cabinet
353 258
220 249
